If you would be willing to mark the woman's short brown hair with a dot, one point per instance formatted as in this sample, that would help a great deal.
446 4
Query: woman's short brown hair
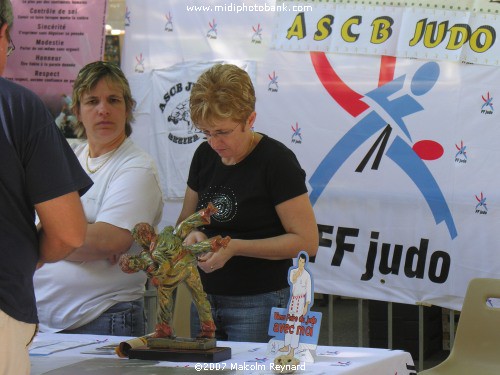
224 91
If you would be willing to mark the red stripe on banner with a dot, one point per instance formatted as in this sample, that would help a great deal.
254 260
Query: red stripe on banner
347 98
387 67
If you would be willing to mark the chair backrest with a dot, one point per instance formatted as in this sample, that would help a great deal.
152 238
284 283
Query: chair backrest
478 331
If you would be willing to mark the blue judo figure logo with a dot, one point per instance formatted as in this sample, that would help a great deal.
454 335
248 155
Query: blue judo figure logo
487 106
398 151
297 135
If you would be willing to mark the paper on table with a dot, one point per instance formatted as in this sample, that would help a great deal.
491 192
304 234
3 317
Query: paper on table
123 349
109 349
42 348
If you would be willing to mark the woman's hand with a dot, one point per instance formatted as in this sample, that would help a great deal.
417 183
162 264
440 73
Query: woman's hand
193 237
211 262
114 258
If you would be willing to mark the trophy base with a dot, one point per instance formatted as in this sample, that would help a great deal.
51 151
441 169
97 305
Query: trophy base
181 343
216 354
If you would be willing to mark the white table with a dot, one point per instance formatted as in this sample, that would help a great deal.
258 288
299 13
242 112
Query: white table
52 353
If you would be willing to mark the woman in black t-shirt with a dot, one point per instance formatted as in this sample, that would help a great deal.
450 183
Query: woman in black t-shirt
258 187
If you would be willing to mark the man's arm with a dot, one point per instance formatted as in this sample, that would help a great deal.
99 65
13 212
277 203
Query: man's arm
63 225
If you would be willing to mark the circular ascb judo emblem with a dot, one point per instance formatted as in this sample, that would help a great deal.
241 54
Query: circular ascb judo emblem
175 108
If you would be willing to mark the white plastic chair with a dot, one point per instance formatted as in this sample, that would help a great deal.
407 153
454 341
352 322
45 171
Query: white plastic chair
476 350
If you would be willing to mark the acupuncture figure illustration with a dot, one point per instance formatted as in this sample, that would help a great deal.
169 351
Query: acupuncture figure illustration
300 299
168 262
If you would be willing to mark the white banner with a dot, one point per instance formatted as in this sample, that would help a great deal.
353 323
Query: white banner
426 33
163 124
400 154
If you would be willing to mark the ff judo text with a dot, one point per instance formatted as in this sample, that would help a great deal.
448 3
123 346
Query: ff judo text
392 258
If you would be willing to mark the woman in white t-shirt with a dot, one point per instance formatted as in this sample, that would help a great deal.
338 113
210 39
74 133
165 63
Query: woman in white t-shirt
87 292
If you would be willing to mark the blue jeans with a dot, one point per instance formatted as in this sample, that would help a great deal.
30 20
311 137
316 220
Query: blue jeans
242 318
122 319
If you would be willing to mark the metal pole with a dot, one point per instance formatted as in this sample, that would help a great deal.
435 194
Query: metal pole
360 322
330 320
389 325
420 337
452 328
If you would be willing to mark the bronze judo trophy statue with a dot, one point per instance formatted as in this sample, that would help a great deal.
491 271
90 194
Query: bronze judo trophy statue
168 263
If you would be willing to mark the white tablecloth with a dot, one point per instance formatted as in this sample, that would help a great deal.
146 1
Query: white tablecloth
59 354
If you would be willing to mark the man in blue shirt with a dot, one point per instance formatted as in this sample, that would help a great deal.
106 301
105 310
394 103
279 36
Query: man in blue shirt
39 173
